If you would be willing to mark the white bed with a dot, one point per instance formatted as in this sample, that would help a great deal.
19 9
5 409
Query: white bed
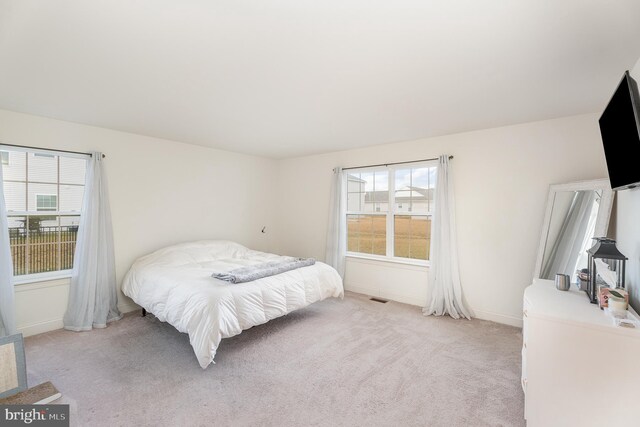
175 284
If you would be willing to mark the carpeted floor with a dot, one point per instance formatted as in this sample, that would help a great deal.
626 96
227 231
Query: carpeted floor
350 362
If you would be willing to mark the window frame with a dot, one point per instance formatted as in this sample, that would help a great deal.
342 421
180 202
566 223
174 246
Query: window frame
390 214
53 275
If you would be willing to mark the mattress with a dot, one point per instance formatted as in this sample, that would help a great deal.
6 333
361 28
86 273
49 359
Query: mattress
175 284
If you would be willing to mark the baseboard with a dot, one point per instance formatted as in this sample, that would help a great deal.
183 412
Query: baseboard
478 314
52 325
405 299
360 290
402 298
41 327
498 318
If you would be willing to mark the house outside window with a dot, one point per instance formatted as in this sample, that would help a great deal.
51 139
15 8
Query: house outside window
43 193
389 211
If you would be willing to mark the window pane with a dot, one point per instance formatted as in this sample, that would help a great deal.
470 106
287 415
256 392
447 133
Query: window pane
16 169
379 224
42 223
354 183
368 191
37 191
413 190
68 235
18 243
412 236
42 168
355 192
72 170
368 183
354 201
377 196
43 245
15 196
367 234
71 198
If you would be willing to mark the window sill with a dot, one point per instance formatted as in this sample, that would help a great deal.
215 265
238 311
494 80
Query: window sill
41 277
402 261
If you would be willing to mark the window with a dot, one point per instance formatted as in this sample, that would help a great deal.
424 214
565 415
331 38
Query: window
46 202
4 156
43 193
389 211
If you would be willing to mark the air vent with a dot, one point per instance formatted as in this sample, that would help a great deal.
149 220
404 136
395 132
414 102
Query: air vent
380 300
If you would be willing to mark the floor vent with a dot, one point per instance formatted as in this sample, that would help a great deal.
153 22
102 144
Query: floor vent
380 300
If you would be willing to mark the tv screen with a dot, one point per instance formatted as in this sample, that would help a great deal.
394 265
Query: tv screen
620 129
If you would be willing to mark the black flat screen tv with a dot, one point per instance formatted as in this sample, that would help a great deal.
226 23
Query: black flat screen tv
620 129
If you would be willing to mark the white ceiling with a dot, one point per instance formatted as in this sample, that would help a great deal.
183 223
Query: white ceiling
283 78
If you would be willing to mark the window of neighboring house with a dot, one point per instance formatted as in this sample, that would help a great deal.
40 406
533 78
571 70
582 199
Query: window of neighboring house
46 202
4 156
43 193
389 211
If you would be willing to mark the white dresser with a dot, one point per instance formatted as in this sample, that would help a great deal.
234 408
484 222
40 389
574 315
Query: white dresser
578 369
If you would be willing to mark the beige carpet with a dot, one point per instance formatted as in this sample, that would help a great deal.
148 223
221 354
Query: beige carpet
336 363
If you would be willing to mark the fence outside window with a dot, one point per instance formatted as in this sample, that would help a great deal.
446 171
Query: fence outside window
42 249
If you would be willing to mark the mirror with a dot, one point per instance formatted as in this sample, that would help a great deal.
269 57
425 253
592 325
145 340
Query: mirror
576 212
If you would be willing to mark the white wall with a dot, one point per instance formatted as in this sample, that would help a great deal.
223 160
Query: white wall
627 234
627 229
501 179
162 192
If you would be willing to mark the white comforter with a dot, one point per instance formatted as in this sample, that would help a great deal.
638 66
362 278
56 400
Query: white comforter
175 284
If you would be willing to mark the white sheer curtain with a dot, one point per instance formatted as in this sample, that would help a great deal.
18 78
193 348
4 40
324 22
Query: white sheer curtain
337 229
93 299
7 309
445 289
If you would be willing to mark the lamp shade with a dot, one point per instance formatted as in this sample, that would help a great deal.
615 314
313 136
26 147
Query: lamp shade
605 248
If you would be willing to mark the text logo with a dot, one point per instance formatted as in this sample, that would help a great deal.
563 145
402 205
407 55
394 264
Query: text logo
34 415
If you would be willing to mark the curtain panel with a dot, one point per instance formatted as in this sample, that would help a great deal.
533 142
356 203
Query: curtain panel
7 308
445 288
336 250
93 298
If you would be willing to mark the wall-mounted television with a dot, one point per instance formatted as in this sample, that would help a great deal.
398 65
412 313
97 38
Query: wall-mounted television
620 129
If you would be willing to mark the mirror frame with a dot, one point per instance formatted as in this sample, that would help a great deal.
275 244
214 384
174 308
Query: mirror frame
602 221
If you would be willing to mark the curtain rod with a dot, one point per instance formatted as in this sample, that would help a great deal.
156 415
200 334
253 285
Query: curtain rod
49 149
396 163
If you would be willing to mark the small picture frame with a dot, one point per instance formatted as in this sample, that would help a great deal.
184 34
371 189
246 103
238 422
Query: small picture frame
13 367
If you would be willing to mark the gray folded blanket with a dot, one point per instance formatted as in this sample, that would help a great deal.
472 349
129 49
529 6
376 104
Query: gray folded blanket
258 271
